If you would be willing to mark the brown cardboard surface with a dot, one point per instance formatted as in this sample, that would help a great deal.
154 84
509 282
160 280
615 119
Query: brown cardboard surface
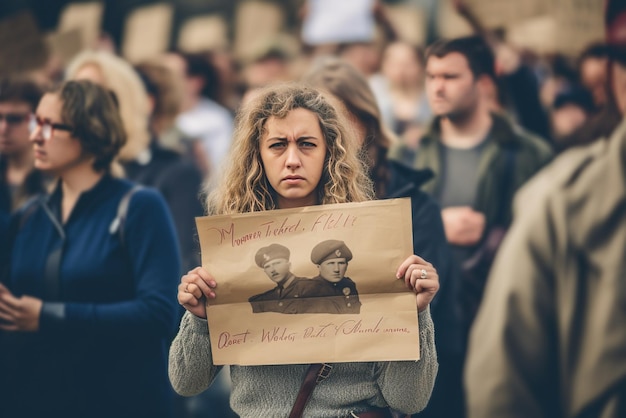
410 22
256 22
86 17
22 47
147 32
571 27
65 45
378 234
203 33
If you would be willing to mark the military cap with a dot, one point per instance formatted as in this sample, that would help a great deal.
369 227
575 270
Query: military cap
270 253
328 249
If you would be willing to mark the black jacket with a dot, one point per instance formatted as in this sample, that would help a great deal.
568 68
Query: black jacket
429 242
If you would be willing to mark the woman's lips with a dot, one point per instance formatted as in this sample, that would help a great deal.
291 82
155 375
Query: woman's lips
293 179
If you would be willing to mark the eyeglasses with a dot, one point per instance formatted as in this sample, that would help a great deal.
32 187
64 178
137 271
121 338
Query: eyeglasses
14 118
47 127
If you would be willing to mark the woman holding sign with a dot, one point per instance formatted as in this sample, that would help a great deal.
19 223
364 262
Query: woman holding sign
291 149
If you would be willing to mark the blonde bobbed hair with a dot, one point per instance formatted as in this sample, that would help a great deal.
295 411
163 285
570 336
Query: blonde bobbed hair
244 186
122 79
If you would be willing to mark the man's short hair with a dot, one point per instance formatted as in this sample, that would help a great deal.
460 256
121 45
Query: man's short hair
597 50
200 65
475 49
20 90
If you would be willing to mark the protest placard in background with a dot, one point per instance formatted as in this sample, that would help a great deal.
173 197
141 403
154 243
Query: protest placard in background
332 22
22 47
492 14
377 233
409 21
147 32
449 23
579 23
544 26
501 13
65 45
203 33
538 34
256 22
84 17
570 28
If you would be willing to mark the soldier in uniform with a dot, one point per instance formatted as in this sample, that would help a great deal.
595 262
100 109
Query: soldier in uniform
333 292
274 260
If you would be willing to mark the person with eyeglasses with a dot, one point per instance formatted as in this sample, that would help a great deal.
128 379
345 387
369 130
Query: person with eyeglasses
86 308
18 179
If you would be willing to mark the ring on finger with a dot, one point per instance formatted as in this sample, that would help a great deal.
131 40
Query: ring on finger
423 274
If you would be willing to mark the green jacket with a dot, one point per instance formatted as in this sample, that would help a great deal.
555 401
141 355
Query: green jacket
531 153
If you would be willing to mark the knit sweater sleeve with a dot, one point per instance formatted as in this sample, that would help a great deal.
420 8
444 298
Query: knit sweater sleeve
407 386
191 368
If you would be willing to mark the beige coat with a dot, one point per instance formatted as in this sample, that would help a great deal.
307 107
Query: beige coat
550 337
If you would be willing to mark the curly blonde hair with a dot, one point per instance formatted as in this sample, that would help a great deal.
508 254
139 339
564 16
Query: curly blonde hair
244 186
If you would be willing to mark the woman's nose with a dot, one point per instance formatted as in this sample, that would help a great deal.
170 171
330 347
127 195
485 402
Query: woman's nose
293 157
36 135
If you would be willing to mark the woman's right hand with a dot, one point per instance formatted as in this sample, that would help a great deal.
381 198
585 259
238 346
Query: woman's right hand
194 289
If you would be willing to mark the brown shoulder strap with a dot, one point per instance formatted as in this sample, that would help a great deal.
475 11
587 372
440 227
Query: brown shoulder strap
315 374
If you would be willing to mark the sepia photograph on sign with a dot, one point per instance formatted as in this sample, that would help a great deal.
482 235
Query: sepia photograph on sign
312 284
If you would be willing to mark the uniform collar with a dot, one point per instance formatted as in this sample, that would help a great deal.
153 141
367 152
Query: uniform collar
286 282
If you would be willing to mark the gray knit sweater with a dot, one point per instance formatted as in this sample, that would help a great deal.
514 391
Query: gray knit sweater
270 391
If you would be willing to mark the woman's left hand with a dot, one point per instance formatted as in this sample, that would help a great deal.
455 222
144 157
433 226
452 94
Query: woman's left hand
421 277
19 314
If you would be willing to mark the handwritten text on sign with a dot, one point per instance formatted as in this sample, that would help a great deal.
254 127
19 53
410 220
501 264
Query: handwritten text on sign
273 229
331 329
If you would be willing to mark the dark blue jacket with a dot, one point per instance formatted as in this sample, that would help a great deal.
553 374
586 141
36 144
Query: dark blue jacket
429 242
107 320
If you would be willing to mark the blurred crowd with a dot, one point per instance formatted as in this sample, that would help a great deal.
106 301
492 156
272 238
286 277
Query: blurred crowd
469 121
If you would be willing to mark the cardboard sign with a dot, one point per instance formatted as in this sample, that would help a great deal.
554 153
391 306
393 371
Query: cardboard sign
203 33
331 22
256 22
147 32
22 48
538 34
313 284
492 14
410 22
65 45
571 27
579 23
449 23
500 13
86 17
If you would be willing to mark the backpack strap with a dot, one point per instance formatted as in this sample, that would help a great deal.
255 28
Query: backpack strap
28 209
117 225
